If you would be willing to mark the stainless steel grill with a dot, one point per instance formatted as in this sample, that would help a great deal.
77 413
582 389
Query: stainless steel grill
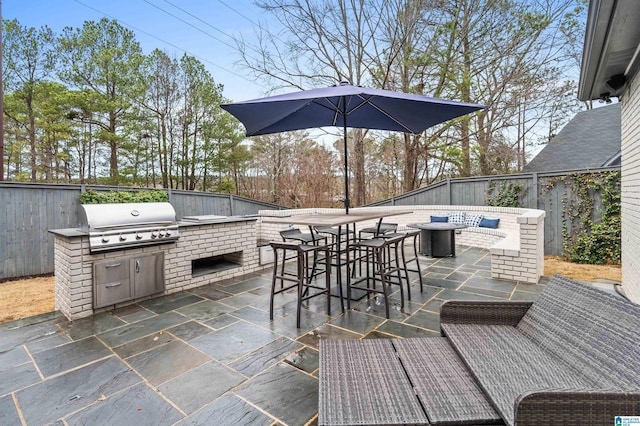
117 226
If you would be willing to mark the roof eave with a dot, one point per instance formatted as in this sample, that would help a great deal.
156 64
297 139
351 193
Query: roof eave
611 38
598 20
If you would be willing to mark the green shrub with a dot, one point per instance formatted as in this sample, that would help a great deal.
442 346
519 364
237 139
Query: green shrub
584 240
118 197
507 194
599 247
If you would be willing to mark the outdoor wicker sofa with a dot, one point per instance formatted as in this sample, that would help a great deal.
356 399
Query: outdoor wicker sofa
570 358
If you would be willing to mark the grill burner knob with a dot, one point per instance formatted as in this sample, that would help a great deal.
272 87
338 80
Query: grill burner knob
105 240
123 237
138 236
161 234
154 234
168 234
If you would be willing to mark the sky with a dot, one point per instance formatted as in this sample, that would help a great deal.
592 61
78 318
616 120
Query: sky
201 28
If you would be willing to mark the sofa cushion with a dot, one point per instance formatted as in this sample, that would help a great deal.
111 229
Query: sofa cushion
587 327
457 217
507 363
489 223
439 219
473 219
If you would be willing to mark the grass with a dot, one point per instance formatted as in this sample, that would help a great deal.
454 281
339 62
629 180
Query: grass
579 271
32 296
26 297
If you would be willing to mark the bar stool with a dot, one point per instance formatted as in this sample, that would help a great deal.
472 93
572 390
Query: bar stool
302 280
415 234
382 260
343 231
378 230
294 234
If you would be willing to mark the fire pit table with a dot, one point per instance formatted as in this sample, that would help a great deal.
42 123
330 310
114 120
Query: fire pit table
438 239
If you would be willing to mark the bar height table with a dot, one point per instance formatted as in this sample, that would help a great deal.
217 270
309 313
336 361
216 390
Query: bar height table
336 220
438 239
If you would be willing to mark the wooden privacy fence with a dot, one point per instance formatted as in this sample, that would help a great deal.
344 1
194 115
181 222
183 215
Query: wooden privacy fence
28 211
544 191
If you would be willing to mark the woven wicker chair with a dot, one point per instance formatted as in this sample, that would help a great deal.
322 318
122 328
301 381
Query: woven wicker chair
572 357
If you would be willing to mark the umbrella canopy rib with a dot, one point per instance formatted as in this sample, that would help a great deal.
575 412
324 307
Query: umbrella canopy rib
368 101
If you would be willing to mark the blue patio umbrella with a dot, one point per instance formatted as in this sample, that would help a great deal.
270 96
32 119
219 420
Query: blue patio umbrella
347 106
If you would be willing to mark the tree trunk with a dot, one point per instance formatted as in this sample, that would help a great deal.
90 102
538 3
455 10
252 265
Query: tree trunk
164 161
466 97
484 140
113 145
32 135
359 195
412 145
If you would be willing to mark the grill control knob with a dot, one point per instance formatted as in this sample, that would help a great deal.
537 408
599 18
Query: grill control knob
105 240
168 233
154 234
161 234
123 237
138 236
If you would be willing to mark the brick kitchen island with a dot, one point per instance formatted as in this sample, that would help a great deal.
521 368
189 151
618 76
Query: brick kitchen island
207 251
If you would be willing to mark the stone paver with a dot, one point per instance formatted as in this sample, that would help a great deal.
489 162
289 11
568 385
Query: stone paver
211 355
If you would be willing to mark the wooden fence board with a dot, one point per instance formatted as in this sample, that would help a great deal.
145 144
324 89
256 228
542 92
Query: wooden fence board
28 211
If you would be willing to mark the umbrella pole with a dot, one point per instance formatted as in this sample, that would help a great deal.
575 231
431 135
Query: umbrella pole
346 162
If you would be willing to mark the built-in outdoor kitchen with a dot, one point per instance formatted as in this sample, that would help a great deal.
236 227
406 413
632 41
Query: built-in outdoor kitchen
122 253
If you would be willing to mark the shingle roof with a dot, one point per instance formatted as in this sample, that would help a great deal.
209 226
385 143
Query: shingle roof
591 139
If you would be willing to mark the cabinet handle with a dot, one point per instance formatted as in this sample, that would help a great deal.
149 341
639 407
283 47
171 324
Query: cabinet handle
113 265
137 266
113 285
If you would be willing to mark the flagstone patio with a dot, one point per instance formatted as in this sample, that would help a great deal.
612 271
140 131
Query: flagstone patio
211 355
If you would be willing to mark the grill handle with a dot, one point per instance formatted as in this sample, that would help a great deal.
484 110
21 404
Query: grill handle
113 265
113 285
137 266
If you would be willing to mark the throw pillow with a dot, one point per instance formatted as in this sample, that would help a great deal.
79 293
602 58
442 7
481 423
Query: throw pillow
489 223
473 219
457 217
439 219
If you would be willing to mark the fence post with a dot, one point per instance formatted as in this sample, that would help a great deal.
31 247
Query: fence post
170 194
231 202
449 191
536 192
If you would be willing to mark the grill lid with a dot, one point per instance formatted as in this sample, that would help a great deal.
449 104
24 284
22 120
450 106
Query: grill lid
99 217
116 226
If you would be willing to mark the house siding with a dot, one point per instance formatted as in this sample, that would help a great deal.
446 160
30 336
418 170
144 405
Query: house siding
631 190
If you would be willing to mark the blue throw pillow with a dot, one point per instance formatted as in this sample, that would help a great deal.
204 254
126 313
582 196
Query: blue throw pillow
489 223
439 219
457 217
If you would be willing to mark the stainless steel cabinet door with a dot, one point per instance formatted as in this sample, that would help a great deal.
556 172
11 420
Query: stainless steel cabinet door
147 273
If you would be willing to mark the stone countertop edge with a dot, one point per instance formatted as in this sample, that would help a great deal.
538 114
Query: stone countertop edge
76 232
230 219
